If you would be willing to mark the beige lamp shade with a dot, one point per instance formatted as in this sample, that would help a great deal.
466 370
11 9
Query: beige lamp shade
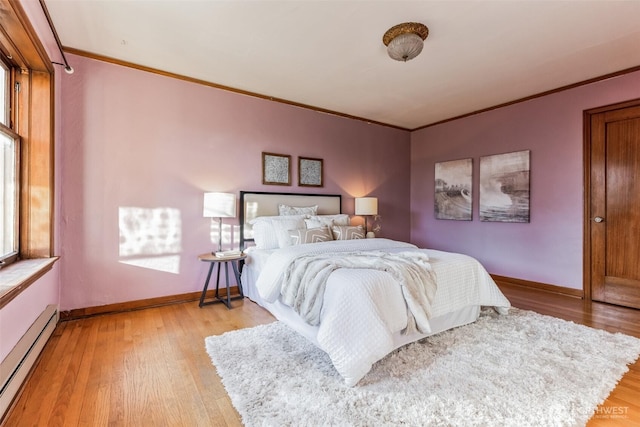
219 205
366 206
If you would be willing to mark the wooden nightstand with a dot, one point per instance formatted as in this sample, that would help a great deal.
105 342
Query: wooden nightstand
219 261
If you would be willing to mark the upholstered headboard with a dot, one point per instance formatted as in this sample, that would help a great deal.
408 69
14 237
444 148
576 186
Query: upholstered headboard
256 203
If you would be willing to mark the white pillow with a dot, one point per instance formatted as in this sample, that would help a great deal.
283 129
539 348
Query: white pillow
304 235
282 230
264 235
271 232
347 232
327 220
293 210
316 223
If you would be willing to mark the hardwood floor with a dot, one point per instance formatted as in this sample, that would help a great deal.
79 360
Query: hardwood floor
149 367
140 368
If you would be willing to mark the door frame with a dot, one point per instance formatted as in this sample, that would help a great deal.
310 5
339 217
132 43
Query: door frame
587 223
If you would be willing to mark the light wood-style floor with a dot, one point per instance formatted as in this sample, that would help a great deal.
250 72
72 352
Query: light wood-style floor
150 368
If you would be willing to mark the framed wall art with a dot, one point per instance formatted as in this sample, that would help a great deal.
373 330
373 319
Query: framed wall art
310 172
276 169
453 196
504 187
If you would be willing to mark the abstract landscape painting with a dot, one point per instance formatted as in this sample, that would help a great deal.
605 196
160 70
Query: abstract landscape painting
453 190
504 187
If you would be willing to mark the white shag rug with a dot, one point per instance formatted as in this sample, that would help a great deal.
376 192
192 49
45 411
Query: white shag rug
524 369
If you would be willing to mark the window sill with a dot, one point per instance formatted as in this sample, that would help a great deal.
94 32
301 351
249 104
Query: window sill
18 276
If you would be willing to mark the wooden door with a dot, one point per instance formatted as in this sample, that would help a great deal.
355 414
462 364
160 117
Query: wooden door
613 211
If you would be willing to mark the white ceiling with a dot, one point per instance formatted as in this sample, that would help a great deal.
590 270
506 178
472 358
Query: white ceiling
330 55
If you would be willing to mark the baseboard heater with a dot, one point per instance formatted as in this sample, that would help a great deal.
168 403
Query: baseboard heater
16 366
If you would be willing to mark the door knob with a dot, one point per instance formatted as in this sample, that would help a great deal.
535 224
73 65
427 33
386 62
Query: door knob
598 219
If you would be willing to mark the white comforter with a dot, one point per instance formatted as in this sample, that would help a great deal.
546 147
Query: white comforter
304 282
363 309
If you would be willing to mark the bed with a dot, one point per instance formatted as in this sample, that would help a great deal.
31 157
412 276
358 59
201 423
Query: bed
363 310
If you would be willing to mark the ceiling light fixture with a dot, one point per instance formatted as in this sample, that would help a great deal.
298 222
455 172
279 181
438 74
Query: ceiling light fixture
405 41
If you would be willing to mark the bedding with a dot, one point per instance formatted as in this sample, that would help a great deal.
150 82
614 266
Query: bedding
304 281
303 236
364 314
347 232
315 221
270 232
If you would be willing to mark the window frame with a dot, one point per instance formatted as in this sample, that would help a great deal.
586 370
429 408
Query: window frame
9 84
32 118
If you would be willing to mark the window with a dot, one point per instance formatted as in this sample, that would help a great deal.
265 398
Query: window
26 140
5 77
9 174
9 195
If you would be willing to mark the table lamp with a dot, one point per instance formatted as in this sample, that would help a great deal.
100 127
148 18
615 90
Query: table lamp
219 205
366 206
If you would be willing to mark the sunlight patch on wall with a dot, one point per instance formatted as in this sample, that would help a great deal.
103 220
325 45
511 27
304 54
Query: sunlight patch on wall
150 238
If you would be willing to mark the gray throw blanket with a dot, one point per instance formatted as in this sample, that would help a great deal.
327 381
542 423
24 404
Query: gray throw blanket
305 280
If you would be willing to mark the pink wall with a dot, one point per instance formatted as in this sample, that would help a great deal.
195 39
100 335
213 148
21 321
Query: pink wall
126 138
549 248
17 316
133 139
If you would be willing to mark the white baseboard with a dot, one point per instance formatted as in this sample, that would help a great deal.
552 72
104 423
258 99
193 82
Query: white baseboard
16 366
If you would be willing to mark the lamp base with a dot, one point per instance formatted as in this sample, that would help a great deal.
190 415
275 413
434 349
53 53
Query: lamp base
219 234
